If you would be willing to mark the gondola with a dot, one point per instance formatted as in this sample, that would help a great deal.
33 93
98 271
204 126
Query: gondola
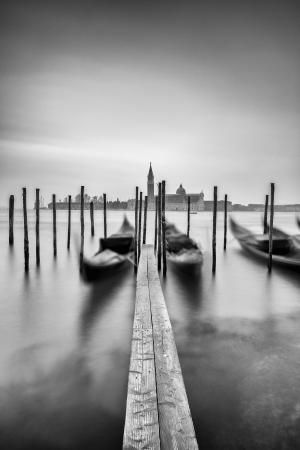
182 252
115 253
294 238
286 252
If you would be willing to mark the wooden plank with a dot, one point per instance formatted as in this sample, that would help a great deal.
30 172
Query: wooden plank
175 421
141 423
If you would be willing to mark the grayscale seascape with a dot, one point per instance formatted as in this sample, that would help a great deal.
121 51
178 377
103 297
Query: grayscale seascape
149 224
65 345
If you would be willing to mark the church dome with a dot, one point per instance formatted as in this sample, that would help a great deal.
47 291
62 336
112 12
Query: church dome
180 190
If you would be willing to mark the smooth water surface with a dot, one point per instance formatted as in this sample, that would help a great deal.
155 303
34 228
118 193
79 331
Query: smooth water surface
65 345
238 339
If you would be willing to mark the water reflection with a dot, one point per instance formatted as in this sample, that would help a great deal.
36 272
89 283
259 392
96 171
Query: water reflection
57 409
65 345
238 340
100 294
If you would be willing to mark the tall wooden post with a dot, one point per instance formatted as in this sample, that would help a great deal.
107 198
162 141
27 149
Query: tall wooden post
266 214
155 224
159 228
37 226
54 225
104 215
163 223
225 222
214 229
145 219
26 240
69 221
92 218
136 228
188 216
81 225
11 219
271 227
140 224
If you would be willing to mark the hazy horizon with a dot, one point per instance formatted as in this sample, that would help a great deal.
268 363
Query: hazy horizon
91 92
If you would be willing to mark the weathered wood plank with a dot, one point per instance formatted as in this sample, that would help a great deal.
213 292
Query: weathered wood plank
157 413
175 421
141 422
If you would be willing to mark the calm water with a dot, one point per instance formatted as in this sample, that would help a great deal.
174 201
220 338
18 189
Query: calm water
65 345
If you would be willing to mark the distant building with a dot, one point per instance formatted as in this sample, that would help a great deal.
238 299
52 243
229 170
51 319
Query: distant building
174 202
150 187
76 202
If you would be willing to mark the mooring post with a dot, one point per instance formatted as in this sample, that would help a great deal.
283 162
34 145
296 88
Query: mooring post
140 225
145 219
136 228
54 224
81 225
271 227
159 228
92 218
266 214
26 240
69 221
11 219
214 229
163 223
37 226
188 216
155 224
104 215
225 222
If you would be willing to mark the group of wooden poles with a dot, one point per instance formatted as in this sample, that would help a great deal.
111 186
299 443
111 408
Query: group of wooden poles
159 228
160 246
159 232
37 224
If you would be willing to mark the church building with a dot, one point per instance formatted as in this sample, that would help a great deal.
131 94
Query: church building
174 202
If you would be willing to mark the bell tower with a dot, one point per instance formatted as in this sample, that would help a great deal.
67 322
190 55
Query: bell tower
150 185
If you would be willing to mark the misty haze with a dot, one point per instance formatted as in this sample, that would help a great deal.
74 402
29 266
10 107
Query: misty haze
149 222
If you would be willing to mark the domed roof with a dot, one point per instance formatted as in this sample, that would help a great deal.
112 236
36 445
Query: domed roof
180 190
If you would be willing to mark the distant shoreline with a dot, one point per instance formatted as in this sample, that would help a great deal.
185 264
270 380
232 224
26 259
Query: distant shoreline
278 208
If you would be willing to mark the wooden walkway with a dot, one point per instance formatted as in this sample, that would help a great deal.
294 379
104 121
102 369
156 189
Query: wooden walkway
157 413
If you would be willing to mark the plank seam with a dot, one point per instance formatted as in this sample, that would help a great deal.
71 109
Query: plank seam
160 308
154 353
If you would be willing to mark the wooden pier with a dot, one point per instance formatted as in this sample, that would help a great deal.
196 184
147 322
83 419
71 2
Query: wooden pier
157 413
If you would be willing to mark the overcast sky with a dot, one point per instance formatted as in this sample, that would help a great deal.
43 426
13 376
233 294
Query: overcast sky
91 92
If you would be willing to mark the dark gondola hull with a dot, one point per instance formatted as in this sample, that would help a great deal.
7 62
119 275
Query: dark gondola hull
248 241
188 264
92 272
183 253
115 255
